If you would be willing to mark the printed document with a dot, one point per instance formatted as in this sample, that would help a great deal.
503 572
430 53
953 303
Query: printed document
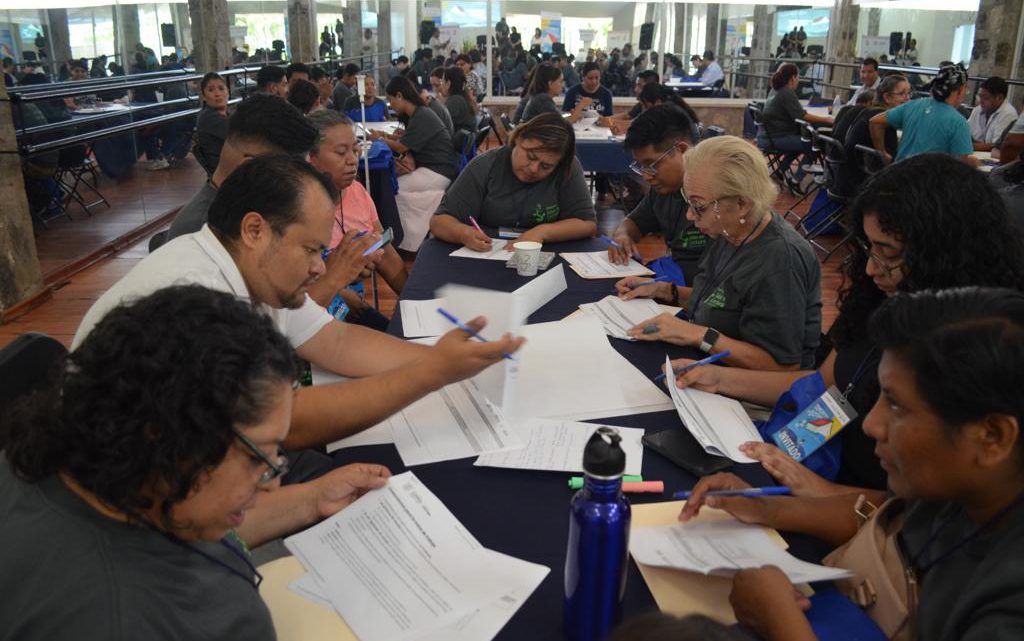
377 435
619 316
420 318
721 548
557 446
454 422
496 252
720 424
397 565
592 265
568 370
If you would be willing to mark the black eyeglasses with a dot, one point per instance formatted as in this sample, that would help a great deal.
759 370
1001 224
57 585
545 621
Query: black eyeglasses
275 469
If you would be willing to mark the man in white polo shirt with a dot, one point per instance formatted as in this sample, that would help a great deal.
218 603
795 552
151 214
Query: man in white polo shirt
992 118
267 226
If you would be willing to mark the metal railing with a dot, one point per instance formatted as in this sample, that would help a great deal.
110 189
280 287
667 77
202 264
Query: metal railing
240 82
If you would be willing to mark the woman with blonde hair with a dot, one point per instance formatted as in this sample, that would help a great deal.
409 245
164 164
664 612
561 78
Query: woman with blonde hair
757 292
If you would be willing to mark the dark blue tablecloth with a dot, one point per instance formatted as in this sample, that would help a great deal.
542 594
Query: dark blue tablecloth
525 513
604 156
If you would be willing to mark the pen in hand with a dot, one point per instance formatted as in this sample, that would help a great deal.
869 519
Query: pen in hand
616 245
469 330
750 492
704 361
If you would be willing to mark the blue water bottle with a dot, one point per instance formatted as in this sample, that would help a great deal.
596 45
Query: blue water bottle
595 562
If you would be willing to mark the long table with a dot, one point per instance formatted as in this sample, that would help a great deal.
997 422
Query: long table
525 513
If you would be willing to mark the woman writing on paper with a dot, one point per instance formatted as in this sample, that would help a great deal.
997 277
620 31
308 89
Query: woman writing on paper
127 508
908 222
757 292
533 184
947 427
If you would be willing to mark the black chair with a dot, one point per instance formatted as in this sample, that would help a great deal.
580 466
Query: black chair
771 151
506 122
157 240
29 362
73 165
834 157
872 160
809 135
463 141
481 137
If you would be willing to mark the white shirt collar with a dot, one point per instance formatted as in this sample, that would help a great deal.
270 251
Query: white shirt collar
219 255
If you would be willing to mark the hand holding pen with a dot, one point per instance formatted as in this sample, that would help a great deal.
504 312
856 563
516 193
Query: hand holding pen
620 251
726 491
469 330
475 238
679 371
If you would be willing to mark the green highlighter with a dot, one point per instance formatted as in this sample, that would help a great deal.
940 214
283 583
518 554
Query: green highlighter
576 482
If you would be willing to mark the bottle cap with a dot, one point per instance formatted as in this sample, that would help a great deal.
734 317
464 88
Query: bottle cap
603 456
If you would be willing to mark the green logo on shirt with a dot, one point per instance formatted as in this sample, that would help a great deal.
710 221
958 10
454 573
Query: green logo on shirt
542 214
717 299
692 239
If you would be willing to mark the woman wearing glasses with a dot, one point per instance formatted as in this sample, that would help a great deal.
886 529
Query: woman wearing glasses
757 292
130 489
534 185
893 91
912 235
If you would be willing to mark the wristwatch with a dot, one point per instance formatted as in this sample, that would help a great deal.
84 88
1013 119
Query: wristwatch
711 337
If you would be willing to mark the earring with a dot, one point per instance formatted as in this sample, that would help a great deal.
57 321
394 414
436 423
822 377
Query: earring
743 221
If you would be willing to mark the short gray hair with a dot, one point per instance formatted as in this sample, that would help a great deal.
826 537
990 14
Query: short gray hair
324 120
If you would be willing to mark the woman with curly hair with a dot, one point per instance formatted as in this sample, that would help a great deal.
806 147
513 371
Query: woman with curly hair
913 232
128 487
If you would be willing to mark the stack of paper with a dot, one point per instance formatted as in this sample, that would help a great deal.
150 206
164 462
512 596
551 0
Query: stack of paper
397 565
723 548
557 446
568 370
496 252
619 316
592 265
719 424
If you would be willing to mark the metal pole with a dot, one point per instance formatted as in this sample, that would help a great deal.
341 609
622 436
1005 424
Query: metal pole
489 84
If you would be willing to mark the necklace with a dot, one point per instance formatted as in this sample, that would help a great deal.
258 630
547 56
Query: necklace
719 275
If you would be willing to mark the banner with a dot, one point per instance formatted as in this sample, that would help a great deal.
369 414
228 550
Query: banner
453 33
617 39
874 46
550 29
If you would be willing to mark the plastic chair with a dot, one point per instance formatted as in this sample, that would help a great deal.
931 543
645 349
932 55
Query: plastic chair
464 143
27 364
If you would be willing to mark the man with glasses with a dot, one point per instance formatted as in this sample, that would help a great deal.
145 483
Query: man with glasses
657 139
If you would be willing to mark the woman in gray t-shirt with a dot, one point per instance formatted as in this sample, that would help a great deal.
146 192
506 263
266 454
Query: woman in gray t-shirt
547 83
757 293
533 184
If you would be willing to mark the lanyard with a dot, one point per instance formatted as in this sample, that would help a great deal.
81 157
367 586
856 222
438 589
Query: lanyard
860 371
714 280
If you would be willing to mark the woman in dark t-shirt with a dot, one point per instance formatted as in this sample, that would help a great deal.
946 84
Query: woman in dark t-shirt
908 222
212 123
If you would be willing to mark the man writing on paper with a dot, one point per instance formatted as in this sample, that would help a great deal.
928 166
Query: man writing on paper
268 224
658 138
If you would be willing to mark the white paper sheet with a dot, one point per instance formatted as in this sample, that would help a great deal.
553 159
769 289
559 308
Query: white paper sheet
454 422
482 624
420 318
542 289
720 424
723 548
377 435
618 316
396 564
568 370
597 265
557 446
496 252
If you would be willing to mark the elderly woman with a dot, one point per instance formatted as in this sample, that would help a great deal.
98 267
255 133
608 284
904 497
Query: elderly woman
130 490
947 427
533 184
908 223
757 293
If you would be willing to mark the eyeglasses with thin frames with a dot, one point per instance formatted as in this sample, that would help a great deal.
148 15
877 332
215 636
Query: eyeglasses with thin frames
651 170
275 469
886 265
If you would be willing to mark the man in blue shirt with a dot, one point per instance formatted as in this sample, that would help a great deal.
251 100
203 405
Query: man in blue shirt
930 124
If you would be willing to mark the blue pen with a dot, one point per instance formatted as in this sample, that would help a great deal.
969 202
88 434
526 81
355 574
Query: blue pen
650 281
327 252
704 361
750 492
469 330
616 245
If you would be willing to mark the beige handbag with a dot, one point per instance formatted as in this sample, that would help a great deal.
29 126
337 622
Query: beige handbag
881 585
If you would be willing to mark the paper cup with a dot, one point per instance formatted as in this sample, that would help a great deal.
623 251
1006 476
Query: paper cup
527 257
